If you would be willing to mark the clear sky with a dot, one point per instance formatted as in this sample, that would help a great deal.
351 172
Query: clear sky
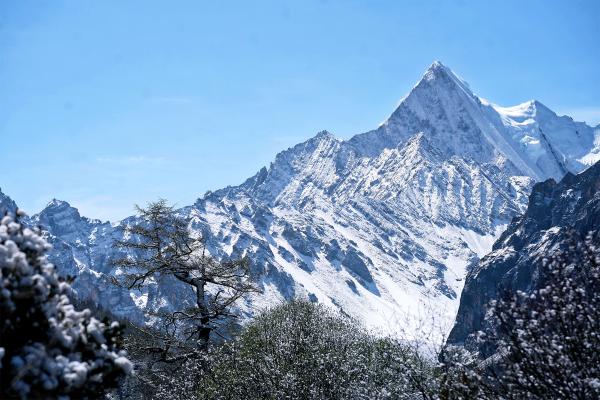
110 103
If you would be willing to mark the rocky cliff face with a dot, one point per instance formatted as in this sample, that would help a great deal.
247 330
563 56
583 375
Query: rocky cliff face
382 226
7 205
553 209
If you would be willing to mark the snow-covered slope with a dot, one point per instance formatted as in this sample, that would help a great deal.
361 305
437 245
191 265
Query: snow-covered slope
382 226
555 145
374 236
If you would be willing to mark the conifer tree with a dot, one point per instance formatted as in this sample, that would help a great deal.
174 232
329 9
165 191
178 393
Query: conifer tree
161 245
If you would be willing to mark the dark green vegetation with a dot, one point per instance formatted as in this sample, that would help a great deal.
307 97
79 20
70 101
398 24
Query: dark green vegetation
303 350
548 340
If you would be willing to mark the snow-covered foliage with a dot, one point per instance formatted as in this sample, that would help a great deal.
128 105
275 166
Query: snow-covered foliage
549 338
301 350
47 348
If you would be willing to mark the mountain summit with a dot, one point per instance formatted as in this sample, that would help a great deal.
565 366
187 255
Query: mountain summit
528 139
383 226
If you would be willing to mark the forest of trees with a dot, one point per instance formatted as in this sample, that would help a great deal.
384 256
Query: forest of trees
546 341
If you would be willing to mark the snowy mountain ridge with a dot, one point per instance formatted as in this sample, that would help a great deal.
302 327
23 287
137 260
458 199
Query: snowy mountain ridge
382 226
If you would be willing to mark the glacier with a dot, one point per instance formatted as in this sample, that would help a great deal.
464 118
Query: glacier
383 226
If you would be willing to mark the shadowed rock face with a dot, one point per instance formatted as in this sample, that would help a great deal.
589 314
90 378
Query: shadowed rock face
573 203
7 205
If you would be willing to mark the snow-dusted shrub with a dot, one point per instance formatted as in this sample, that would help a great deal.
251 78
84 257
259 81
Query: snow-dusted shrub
47 348
301 350
460 376
549 338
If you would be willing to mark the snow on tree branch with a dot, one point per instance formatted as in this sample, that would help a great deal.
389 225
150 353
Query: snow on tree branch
48 348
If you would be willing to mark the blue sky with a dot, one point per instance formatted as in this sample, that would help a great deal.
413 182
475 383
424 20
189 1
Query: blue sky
110 103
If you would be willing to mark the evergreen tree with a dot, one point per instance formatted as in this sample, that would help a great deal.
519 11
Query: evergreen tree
160 246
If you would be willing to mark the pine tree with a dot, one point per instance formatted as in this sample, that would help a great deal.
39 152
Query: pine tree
160 246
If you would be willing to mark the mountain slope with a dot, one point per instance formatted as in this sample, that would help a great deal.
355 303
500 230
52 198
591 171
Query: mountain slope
7 205
554 209
373 236
381 226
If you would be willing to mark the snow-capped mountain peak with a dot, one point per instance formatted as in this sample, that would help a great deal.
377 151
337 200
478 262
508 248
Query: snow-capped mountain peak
443 107
439 74
552 145
60 210
376 225
528 139
520 113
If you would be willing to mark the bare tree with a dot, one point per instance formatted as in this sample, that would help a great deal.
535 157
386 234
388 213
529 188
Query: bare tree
161 246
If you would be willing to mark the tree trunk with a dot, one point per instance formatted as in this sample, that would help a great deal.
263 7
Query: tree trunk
204 328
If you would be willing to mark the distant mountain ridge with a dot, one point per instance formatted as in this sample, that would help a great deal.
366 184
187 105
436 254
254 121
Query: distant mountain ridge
379 226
